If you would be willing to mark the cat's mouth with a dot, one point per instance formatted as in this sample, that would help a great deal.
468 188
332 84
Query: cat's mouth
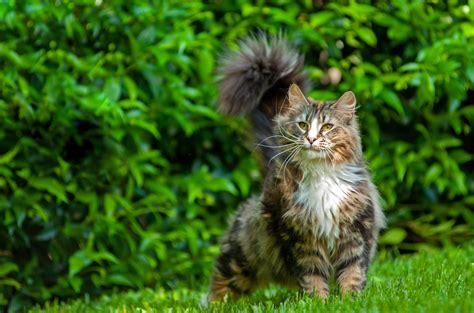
313 147
314 153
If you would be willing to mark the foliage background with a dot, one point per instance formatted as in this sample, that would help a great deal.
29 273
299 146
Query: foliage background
116 171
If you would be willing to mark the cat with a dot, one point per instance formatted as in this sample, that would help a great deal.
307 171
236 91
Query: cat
318 213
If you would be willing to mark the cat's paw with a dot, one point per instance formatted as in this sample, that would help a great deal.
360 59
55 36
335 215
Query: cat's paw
322 294
351 290
315 285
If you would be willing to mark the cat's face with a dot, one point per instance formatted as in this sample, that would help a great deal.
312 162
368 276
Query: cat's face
318 130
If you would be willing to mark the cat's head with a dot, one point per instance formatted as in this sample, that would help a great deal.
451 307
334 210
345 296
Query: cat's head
318 130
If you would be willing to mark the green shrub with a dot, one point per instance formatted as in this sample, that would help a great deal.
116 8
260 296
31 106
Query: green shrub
116 171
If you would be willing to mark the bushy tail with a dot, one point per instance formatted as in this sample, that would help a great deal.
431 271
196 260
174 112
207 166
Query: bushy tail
255 82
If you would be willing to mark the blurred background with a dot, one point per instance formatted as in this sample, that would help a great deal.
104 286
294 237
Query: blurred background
116 172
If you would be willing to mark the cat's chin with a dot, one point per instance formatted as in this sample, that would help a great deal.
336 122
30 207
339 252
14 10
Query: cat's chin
311 154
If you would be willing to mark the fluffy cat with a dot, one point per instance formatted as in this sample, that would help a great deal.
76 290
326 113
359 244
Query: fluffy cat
319 211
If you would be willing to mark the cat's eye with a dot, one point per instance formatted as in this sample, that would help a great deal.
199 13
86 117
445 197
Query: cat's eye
303 125
327 127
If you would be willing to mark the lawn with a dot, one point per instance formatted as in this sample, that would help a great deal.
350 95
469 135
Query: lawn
441 281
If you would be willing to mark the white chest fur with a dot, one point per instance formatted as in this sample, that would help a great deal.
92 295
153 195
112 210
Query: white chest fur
320 195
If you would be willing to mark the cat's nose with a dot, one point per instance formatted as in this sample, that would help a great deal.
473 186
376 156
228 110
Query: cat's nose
310 139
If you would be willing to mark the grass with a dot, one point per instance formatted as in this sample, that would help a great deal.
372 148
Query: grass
440 281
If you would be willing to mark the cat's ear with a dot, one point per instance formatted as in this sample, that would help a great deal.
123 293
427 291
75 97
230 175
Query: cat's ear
296 97
345 106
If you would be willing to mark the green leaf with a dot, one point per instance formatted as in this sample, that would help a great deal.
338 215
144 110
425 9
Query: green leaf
433 173
426 90
103 255
136 173
76 283
119 279
10 282
377 87
468 29
77 262
12 56
367 35
393 236
131 87
470 72
409 67
243 182
50 185
392 99
321 18
149 127
206 64
7 267
113 89
132 104
8 157
109 205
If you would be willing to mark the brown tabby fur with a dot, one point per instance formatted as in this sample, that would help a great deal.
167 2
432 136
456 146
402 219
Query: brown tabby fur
318 212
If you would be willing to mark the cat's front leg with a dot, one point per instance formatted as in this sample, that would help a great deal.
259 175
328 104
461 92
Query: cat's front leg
314 284
351 268
352 278
312 267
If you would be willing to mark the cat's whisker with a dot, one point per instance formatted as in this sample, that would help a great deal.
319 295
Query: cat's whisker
269 137
282 165
284 131
291 158
288 138
260 144
281 135
284 151
291 155
326 157
331 155
288 134
276 146
296 140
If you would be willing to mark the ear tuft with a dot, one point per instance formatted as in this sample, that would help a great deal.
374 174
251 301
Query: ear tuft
348 99
346 104
296 96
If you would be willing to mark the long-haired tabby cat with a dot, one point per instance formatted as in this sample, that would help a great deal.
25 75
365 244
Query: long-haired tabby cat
319 211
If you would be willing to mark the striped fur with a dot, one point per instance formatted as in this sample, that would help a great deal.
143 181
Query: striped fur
318 214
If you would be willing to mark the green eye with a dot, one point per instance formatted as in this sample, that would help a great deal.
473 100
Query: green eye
303 125
327 127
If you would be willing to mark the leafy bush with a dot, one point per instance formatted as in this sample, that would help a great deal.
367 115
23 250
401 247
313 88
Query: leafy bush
117 172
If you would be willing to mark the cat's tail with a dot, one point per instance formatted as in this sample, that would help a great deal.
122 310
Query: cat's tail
255 82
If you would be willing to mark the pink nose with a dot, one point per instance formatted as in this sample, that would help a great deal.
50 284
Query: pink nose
311 140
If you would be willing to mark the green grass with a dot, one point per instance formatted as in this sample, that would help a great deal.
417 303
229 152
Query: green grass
428 282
